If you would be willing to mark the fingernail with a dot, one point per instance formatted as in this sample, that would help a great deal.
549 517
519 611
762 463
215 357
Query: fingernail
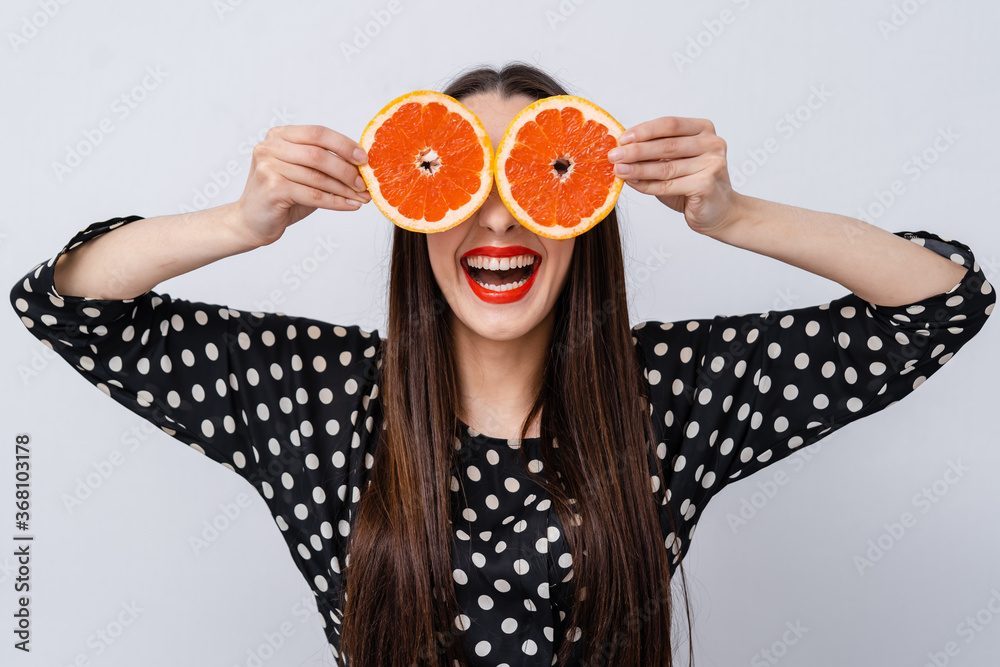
359 156
623 169
616 154
626 138
359 183
354 203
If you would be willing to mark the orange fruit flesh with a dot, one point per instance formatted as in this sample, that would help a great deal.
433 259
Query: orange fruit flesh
558 167
443 164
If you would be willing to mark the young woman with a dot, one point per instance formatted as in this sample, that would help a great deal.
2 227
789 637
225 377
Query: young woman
500 483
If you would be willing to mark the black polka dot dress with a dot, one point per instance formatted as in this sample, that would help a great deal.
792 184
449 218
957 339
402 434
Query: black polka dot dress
292 405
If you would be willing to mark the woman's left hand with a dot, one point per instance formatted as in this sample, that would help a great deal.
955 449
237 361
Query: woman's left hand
683 163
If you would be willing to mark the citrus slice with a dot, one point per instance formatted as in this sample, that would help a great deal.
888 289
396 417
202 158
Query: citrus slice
552 169
428 163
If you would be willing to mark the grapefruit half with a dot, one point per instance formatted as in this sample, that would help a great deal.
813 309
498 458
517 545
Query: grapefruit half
552 169
429 161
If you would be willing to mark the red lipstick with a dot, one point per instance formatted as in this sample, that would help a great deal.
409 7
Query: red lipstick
493 296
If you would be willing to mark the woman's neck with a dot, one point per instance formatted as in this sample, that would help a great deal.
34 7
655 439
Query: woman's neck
498 380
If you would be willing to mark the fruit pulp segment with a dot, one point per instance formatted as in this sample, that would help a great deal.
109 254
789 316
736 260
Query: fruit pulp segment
422 189
551 193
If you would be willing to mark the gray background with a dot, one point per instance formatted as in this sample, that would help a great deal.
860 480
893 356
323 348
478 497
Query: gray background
894 74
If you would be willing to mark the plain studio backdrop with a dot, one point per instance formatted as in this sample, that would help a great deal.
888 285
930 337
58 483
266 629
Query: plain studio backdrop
882 109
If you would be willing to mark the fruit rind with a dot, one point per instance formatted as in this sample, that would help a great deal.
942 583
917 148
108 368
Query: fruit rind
456 216
590 112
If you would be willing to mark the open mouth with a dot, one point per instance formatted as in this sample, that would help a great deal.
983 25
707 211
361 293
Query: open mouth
500 274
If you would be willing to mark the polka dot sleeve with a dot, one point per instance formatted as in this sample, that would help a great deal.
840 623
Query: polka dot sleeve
279 400
731 395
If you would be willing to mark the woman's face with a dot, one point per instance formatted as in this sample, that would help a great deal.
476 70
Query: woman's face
515 297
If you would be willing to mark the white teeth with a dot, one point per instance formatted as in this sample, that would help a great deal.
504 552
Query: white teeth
495 264
503 288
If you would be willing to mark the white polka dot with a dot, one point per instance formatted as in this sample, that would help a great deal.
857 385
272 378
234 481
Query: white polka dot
812 328
790 392
820 401
854 404
801 360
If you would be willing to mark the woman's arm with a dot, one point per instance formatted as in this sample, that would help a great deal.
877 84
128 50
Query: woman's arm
682 161
294 171
132 259
877 265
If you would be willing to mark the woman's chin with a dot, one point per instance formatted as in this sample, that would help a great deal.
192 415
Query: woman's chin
498 323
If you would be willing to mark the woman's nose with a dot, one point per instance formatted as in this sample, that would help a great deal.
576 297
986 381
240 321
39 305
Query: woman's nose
493 215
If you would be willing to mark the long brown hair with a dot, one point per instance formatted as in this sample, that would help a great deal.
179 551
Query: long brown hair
596 448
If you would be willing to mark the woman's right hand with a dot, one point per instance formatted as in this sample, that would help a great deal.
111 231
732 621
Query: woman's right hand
295 170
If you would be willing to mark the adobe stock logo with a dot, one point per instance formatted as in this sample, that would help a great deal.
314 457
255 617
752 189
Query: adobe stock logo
381 18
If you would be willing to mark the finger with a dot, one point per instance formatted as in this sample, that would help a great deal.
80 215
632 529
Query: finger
667 126
689 185
321 160
312 197
318 135
666 147
662 170
296 173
